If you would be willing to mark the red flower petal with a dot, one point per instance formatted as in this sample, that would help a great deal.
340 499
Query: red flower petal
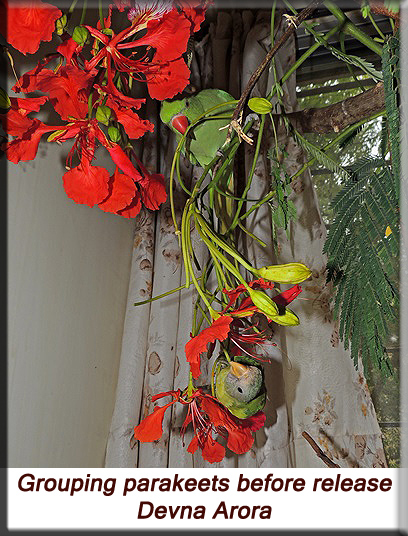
255 422
120 158
15 121
194 11
68 48
122 192
25 147
111 90
30 80
153 190
168 35
87 184
193 446
26 105
133 209
151 428
218 331
29 24
67 89
217 413
240 440
284 298
174 394
170 80
212 451
236 292
134 126
122 4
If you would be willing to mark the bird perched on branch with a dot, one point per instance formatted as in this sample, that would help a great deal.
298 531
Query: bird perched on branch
204 140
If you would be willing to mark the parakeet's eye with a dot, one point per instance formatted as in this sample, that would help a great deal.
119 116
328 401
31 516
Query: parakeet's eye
180 123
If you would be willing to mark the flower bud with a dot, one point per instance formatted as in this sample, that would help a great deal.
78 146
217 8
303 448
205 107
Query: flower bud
287 319
114 134
80 35
263 302
293 272
259 105
103 114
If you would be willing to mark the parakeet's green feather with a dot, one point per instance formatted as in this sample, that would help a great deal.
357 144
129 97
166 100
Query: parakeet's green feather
171 108
205 139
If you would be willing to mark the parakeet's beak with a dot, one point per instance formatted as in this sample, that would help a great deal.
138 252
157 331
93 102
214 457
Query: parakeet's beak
237 369
180 123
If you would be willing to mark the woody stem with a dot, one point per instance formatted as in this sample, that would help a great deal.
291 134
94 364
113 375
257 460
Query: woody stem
255 76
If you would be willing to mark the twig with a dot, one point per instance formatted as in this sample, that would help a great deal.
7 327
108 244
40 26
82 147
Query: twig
237 115
319 451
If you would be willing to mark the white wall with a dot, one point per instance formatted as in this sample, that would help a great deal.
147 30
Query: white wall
68 273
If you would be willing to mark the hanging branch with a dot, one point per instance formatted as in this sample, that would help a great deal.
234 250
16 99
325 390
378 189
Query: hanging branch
237 115
319 452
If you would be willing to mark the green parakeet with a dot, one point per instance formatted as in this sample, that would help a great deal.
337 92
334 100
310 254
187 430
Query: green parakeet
239 387
206 138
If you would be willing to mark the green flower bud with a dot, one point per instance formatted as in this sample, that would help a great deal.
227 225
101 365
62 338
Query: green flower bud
107 31
264 303
260 105
103 114
80 35
287 319
4 100
114 134
61 24
293 272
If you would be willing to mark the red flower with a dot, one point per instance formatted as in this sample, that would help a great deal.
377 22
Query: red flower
218 331
207 416
87 183
165 34
68 89
15 122
133 125
284 298
246 307
26 25
226 326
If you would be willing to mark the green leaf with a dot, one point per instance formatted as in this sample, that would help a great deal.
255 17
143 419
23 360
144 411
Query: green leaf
4 100
322 157
260 105
61 24
103 114
80 35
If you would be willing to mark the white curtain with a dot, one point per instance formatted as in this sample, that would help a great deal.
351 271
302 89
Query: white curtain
312 383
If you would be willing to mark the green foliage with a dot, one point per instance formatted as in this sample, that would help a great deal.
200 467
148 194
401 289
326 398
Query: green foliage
363 262
321 157
390 65
283 210
363 241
